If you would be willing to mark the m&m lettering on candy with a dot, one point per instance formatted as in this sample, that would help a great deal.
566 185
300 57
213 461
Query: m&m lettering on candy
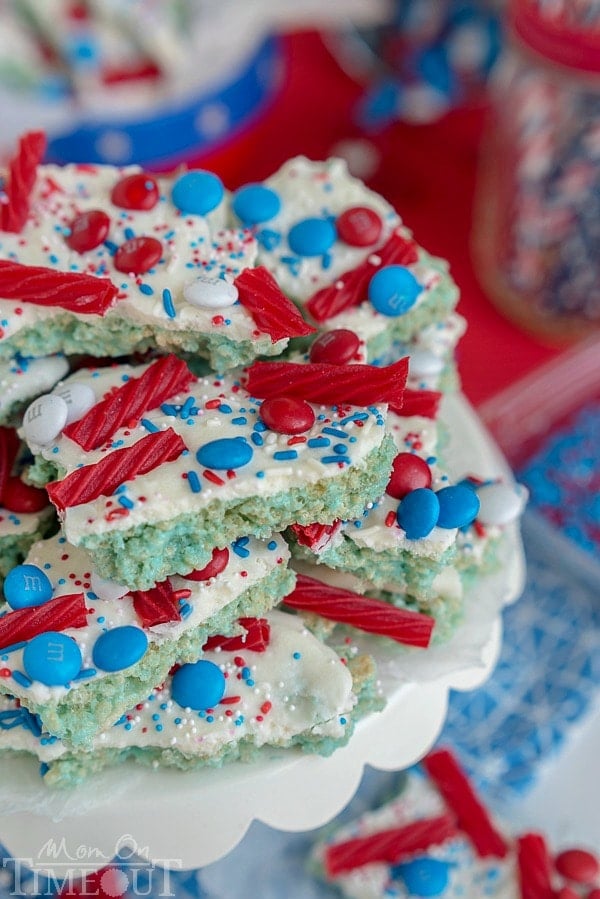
26 586
45 418
312 237
225 453
119 648
393 290
138 255
200 685
88 230
287 415
210 293
52 659
336 347
418 513
197 192
459 506
139 191
359 226
409 472
217 564
79 399
255 203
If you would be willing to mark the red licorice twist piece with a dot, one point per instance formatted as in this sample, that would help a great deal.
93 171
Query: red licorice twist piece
535 867
460 796
256 638
371 615
9 446
350 289
425 403
73 291
322 382
57 614
21 178
163 379
272 311
158 605
389 846
102 479
315 536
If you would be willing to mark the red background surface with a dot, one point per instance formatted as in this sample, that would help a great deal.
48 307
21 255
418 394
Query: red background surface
428 172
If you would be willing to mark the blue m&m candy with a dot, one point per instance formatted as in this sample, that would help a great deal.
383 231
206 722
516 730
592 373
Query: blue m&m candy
459 506
26 586
52 659
197 192
200 685
393 290
119 648
228 452
312 237
418 513
255 203
423 876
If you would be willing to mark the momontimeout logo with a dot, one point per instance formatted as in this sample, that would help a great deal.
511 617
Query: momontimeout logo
87 871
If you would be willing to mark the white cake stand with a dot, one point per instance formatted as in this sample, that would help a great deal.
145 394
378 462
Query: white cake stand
187 820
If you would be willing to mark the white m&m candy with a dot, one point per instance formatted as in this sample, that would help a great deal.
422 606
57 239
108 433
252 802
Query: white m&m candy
210 293
500 503
45 418
79 399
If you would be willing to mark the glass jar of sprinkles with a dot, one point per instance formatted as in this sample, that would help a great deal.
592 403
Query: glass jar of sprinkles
537 221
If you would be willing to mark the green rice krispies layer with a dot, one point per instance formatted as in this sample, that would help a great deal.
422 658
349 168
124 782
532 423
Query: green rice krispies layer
411 574
94 705
113 336
74 767
146 554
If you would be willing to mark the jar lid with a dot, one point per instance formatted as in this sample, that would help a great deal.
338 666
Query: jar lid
558 32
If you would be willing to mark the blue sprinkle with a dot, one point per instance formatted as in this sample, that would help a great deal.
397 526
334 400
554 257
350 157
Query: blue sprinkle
126 502
284 455
129 233
268 239
260 474
111 247
318 442
256 439
272 544
356 416
240 420
145 288
156 717
249 682
169 409
358 524
168 306
128 725
260 426
340 448
225 409
327 460
188 408
149 425
85 673
44 768
335 432
246 673
13 648
194 482
296 655
21 679
239 548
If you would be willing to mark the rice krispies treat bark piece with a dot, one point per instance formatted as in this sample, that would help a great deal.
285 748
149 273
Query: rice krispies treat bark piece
231 472
316 225
85 649
109 261
22 378
277 686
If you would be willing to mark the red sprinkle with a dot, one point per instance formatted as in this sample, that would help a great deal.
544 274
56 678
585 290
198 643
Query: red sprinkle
266 707
102 479
213 478
409 472
57 614
390 519
217 564
578 865
287 415
360 385
139 191
390 845
74 291
88 230
166 377
335 347
273 312
371 615
359 226
460 796
138 255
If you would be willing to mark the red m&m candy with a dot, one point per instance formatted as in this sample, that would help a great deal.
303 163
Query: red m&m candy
335 347
217 564
359 226
88 230
139 191
287 415
578 865
409 472
20 497
138 255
